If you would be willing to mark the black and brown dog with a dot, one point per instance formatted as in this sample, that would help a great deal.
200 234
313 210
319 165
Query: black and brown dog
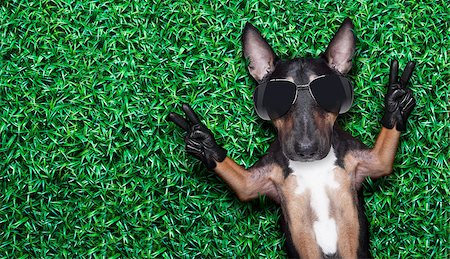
314 169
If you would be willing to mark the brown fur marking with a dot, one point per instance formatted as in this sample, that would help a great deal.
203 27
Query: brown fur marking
299 217
325 122
284 125
345 214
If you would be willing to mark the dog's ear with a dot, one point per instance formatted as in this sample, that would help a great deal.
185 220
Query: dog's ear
341 49
259 53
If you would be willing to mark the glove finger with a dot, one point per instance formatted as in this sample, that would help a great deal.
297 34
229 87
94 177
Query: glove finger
199 134
393 73
178 120
406 99
396 94
190 114
407 73
193 150
407 109
193 145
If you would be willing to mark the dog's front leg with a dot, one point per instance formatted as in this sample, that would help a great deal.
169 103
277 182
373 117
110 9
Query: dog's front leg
378 161
249 184
200 142
399 103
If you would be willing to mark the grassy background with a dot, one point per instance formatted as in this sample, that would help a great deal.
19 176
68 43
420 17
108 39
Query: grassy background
89 166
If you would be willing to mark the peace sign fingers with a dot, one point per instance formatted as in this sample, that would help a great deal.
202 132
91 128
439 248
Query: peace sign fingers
191 116
399 101
407 73
178 120
393 72
199 140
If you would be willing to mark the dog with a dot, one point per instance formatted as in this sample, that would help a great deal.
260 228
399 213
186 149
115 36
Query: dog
314 170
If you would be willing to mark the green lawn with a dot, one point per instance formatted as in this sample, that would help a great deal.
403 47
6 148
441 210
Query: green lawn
90 167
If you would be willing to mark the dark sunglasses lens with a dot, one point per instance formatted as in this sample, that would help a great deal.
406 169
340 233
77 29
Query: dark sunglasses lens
333 93
274 99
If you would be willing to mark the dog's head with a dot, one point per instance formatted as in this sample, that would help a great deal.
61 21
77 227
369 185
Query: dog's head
305 131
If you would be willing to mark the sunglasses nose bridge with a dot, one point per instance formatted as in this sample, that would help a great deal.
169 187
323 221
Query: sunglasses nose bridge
304 87
299 88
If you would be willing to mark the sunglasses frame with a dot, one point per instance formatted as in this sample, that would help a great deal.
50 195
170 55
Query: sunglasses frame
298 86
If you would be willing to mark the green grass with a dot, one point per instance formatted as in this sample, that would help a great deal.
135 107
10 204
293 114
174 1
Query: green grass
90 167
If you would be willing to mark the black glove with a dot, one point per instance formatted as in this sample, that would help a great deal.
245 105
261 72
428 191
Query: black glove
399 101
199 140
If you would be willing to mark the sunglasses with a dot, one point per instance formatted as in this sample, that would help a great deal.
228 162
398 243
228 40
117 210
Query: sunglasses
274 98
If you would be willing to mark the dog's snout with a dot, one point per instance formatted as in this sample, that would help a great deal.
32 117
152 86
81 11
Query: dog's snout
306 150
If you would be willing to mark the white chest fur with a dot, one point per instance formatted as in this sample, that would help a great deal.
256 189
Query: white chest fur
317 177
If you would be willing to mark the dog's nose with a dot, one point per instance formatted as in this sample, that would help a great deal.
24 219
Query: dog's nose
306 150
